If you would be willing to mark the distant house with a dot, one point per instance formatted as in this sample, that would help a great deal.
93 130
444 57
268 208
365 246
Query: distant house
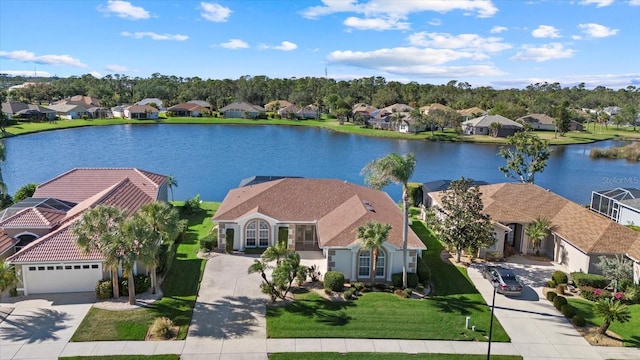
20 110
621 205
85 101
78 106
70 111
149 101
396 108
186 109
317 215
141 112
202 103
471 113
441 185
435 106
276 105
243 110
482 126
546 122
38 229
297 112
577 236
118 111
611 110
407 124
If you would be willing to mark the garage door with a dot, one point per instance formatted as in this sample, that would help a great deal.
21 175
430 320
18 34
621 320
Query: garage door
62 278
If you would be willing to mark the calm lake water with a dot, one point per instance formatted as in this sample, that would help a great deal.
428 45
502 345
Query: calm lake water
211 159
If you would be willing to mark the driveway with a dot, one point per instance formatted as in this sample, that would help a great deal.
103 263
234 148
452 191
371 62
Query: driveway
536 328
40 326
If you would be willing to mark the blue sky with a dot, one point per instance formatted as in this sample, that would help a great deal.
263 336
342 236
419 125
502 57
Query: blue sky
504 44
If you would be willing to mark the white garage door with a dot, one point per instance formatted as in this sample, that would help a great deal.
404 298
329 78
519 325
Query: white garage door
62 278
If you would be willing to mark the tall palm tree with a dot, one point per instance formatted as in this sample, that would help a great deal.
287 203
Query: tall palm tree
171 183
276 252
163 221
537 231
8 277
373 235
611 311
128 249
96 230
397 169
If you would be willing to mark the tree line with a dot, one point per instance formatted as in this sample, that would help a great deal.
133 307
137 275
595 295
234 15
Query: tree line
329 94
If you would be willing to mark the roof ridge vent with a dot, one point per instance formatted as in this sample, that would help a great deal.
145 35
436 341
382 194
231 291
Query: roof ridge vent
368 205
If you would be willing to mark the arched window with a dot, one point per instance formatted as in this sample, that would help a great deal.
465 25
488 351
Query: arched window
24 240
257 233
364 263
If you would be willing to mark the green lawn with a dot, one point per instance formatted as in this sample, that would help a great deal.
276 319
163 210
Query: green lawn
448 135
180 289
384 315
386 356
629 331
123 357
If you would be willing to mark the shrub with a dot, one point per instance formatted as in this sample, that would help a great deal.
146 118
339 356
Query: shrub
349 294
210 242
162 327
228 241
141 282
568 310
333 280
104 290
559 301
560 277
593 294
412 279
593 280
358 286
408 291
578 320
632 295
424 273
551 295
313 273
560 289
551 284
400 293
192 205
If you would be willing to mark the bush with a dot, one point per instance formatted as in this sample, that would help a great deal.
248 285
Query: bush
560 289
141 282
162 327
593 280
210 242
414 193
578 320
104 290
358 286
560 277
349 294
593 294
551 295
412 280
313 273
632 295
408 291
333 280
424 273
568 311
192 205
228 240
400 293
551 284
559 301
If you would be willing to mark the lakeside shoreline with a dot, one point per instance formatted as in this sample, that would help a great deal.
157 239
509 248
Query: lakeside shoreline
572 138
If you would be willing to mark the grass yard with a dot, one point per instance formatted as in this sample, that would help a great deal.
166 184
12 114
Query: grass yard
384 315
385 356
180 289
123 357
629 331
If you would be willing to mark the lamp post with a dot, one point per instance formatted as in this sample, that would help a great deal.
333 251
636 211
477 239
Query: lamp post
495 284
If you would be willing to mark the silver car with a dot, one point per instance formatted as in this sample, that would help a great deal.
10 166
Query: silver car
506 280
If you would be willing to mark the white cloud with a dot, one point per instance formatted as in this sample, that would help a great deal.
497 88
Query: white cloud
379 24
116 68
435 22
124 9
597 30
27 56
154 36
576 37
546 31
634 2
234 44
215 12
400 9
95 74
38 73
498 29
284 46
543 53
470 42
598 3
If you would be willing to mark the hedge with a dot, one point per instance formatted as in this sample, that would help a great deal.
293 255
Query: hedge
559 301
333 280
594 280
412 280
551 295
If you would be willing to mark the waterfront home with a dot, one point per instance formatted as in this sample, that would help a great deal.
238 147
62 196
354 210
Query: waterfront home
186 109
23 111
38 229
546 122
319 215
140 112
621 205
276 105
243 110
577 236
482 126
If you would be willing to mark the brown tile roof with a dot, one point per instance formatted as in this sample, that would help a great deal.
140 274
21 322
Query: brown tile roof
634 251
537 118
471 111
81 183
523 203
186 106
337 207
141 109
34 217
56 246
6 242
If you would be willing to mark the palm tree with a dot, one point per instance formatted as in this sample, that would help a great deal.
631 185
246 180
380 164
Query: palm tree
276 252
397 169
96 230
373 235
611 311
128 247
163 221
396 119
171 183
8 277
537 231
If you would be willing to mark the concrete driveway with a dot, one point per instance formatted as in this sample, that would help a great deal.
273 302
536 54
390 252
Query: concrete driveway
40 326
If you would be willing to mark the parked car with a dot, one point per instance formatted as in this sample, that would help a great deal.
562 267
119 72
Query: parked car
508 283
